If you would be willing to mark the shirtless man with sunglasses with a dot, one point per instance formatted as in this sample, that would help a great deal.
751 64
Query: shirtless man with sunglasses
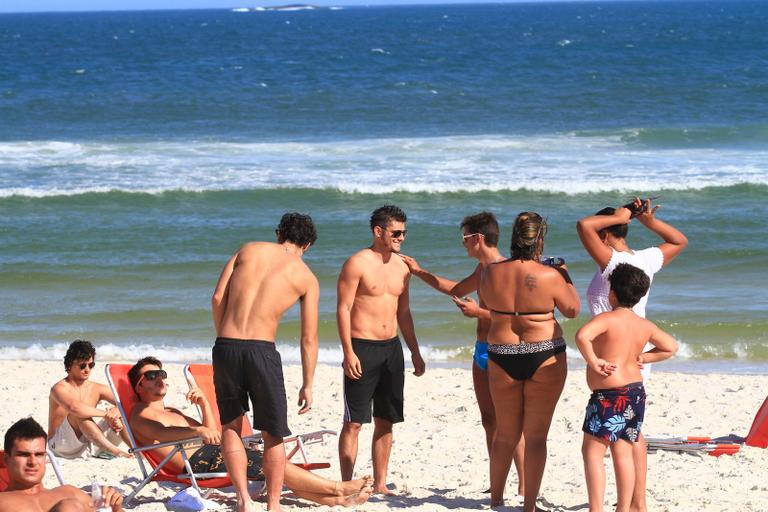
74 421
372 304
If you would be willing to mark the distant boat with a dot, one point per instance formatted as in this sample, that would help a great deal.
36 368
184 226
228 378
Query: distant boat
292 7
288 7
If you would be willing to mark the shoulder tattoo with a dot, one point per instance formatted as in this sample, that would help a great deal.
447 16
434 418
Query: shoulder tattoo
530 282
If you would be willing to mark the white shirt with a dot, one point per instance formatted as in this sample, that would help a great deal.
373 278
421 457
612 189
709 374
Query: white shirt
648 260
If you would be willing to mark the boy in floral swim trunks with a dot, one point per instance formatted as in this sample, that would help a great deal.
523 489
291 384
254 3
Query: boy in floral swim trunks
612 345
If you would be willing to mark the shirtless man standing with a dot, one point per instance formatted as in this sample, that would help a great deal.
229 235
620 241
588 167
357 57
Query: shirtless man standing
372 303
480 237
258 284
25 462
72 408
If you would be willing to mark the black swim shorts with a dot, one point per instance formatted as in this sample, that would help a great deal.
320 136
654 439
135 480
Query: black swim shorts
208 459
250 368
382 382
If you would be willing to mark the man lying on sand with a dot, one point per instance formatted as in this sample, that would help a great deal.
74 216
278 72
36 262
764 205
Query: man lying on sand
153 422
74 421
25 459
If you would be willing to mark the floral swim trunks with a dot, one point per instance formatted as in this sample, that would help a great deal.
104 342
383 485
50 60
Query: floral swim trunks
616 413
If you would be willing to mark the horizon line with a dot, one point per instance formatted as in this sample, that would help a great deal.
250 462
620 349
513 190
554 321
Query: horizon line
326 4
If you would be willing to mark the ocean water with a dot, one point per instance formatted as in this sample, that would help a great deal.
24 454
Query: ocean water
138 150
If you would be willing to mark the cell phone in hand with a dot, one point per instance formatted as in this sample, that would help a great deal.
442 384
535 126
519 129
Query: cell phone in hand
552 261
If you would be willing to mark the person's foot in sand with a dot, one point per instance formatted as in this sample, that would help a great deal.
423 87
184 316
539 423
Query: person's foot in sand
346 494
500 505
385 489
351 487
520 491
117 452
358 498
245 506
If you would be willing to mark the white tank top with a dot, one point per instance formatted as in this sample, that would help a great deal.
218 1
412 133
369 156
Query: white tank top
648 260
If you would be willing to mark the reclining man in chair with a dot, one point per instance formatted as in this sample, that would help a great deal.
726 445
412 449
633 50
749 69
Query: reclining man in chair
153 422
25 459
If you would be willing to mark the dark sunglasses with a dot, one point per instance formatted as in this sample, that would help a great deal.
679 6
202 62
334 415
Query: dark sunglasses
152 375
89 365
397 233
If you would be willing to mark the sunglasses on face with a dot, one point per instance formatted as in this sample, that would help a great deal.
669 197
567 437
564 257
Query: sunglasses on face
397 233
152 375
464 237
90 365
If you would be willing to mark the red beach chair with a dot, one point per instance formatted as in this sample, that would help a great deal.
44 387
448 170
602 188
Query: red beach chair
758 434
126 400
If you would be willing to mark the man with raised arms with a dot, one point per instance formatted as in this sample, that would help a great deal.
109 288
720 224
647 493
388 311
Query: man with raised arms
24 459
480 236
258 284
74 421
372 303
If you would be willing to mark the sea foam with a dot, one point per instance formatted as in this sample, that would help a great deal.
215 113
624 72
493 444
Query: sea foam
291 353
570 163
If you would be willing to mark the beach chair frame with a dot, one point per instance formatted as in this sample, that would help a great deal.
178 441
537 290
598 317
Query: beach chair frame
251 439
717 446
55 465
714 447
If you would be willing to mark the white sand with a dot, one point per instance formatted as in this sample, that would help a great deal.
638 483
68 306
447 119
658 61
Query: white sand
439 460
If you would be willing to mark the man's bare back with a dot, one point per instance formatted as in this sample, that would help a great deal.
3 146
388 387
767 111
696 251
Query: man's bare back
612 342
621 343
258 284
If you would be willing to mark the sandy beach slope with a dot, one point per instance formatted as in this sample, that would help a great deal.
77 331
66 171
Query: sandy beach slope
439 460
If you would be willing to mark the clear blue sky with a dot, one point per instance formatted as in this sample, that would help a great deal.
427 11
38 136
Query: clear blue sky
112 5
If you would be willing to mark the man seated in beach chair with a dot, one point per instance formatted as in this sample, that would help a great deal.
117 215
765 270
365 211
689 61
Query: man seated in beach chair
25 460
77 427
152 422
